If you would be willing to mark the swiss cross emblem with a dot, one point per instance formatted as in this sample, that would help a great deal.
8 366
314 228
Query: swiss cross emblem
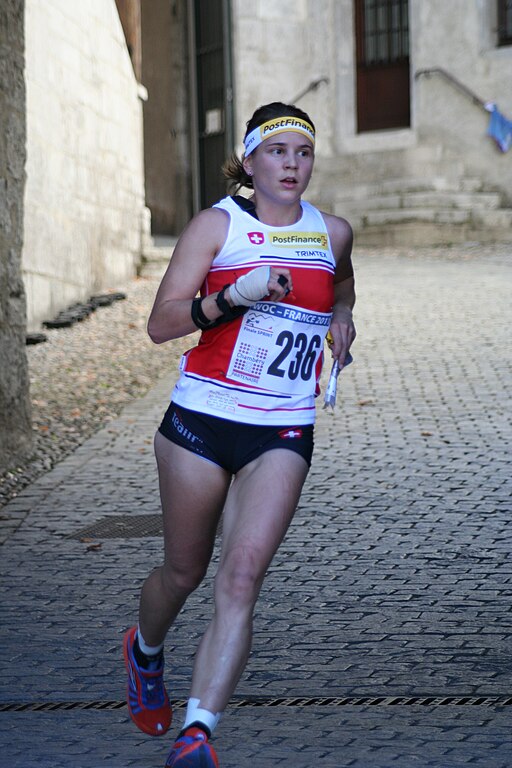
287 434
256 238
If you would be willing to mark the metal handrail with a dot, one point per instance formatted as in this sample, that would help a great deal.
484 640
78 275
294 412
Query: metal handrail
456 83
311 87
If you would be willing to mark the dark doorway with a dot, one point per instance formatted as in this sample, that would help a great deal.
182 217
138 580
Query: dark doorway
211 72
382 50
166 115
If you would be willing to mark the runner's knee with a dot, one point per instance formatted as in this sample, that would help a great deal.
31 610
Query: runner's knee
179 580
239 578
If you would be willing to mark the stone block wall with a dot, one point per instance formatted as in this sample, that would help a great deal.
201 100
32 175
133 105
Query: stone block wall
84 198
15 427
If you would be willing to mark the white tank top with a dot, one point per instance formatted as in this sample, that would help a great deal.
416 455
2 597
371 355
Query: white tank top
263 368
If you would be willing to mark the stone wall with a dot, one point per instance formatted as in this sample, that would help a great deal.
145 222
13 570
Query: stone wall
15 428
84 198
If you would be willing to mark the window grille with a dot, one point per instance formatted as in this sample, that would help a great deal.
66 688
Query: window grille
386 31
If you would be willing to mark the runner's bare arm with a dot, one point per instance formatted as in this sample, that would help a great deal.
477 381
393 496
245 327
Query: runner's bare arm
201 240
342 327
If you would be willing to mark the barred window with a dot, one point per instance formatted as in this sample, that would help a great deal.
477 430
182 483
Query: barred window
386 31
504 22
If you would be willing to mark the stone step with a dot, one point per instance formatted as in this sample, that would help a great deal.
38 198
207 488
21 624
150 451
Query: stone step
329 186
478 218
404 187
427 184
450 200
498 218
487 217
414 233
438 215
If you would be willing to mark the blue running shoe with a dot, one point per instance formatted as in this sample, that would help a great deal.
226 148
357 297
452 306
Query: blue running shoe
148 703
192 750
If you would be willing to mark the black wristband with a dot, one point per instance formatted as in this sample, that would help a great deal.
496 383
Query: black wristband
198 316
228 312
222 302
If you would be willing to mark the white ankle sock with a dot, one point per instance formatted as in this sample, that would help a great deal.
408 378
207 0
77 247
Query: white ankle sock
147 650
196 714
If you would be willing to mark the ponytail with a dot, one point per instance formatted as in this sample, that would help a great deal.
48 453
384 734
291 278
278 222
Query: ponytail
235 173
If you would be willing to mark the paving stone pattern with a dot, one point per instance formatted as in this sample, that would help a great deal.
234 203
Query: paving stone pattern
394 580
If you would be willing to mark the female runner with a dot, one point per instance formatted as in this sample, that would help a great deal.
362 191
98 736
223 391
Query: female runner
274 276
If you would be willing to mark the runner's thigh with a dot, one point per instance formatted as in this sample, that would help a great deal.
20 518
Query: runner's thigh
192 492
261 503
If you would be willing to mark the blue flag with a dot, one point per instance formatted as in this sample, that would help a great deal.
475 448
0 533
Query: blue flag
500 129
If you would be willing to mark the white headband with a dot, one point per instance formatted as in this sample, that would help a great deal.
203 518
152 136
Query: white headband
273 127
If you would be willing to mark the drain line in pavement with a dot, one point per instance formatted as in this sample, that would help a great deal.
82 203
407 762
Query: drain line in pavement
267 701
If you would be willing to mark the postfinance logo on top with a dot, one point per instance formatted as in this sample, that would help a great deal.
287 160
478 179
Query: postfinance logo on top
298 239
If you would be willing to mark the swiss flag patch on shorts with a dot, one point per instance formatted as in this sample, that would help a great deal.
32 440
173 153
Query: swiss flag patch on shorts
290 433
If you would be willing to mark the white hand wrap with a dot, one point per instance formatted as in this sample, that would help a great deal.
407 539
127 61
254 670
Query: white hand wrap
250 287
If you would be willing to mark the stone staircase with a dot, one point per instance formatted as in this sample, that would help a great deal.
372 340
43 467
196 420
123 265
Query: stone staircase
422 211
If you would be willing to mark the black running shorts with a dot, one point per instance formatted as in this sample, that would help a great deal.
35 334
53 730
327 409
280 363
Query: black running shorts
229 444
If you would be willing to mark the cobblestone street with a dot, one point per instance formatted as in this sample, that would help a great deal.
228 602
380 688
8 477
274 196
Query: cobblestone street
384 629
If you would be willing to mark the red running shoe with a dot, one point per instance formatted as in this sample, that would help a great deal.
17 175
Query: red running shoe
192 750
148 703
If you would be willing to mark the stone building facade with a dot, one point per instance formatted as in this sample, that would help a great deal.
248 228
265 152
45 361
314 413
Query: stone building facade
397 89
434 175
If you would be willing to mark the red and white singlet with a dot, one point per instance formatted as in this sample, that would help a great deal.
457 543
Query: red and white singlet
263 368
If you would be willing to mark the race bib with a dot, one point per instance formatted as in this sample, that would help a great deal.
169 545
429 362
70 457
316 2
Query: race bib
278 347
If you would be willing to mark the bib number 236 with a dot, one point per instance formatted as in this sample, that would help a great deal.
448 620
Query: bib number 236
278 347
297 357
